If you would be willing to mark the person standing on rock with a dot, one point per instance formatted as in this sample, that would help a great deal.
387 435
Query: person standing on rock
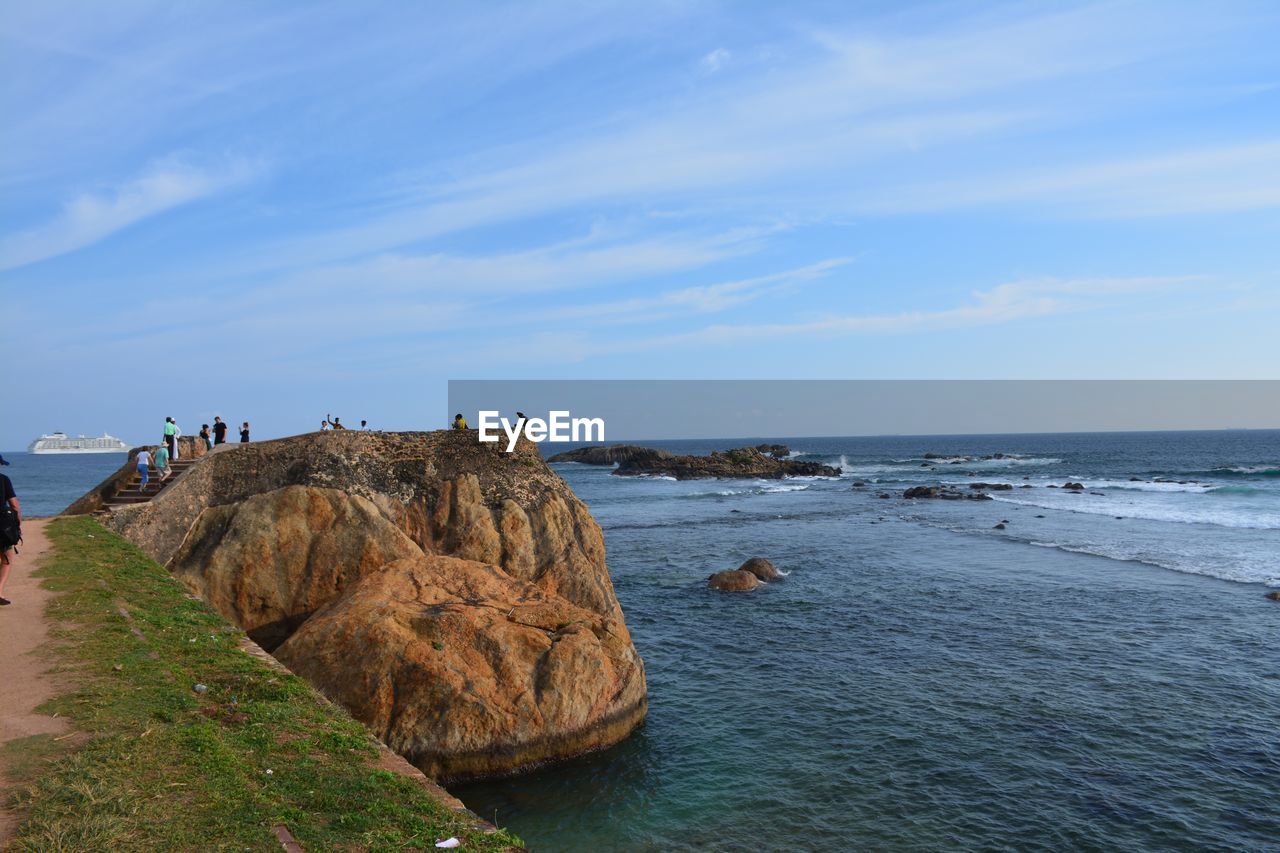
459 422
10 531
171 437
334 423
173 450
205 437
324 425
244 433
364 425
219 431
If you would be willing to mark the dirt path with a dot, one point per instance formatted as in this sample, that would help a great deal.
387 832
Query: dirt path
24 682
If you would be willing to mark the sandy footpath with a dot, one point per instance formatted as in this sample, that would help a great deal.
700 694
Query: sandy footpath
24 681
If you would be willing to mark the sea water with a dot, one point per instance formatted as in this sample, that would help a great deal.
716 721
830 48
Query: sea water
1104 673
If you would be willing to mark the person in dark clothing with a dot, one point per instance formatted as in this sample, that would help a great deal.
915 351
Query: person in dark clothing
205 437
219 431
8 504
244 433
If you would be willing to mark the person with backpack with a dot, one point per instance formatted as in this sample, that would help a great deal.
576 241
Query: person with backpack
10 529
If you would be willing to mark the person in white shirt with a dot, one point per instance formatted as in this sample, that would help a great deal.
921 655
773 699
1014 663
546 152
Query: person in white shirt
143 461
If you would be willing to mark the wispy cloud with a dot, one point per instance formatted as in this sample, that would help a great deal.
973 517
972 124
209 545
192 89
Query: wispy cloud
1220 179
715 60
1009 302
93 216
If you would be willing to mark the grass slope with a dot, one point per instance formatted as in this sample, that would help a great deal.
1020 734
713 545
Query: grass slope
165 767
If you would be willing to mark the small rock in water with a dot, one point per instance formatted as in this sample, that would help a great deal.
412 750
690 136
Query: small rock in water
1039 516
999 526
1274 596
733 581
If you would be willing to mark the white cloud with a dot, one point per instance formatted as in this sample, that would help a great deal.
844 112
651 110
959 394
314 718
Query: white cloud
93 216
715 60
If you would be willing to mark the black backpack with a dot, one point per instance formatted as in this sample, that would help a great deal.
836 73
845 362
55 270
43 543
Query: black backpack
10 528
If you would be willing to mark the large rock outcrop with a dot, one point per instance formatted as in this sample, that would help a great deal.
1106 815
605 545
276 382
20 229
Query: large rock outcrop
740 463
452 596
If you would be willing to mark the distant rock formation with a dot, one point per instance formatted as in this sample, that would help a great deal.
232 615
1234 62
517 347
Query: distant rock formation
743 462
943 493
451 596
777 451
610 455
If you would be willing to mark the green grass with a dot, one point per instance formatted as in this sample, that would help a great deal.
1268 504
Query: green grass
164 767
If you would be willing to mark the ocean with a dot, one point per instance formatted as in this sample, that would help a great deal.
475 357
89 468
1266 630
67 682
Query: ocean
1101 674
921 680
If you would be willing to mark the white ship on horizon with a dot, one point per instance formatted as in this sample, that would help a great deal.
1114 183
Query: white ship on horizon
60 442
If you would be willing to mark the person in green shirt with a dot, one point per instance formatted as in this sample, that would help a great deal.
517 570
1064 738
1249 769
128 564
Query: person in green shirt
171 437
161 459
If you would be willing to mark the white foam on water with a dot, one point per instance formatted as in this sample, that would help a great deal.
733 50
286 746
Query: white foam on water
1152 510
1228 569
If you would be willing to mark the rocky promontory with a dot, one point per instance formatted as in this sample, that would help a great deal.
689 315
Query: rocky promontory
451 596
743 462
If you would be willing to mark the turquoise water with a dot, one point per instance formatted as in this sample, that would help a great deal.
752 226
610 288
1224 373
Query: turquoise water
922 681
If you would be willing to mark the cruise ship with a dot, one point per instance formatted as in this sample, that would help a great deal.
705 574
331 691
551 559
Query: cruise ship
60 442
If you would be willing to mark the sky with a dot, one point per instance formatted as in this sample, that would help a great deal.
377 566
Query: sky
640 410
274 212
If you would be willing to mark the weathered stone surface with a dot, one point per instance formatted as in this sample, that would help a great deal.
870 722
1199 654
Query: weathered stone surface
761 568
994 487
268 562
469 672
744 462
309 542
734 580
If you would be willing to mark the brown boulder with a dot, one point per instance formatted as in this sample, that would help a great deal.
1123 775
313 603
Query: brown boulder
735 580
761 568
267 563
311 542
1274 596
469 672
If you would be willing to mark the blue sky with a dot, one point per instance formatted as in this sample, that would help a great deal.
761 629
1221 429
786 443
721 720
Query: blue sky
274 211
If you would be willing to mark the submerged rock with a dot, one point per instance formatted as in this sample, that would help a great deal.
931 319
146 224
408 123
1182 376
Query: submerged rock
451 596
734 580
1274 596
